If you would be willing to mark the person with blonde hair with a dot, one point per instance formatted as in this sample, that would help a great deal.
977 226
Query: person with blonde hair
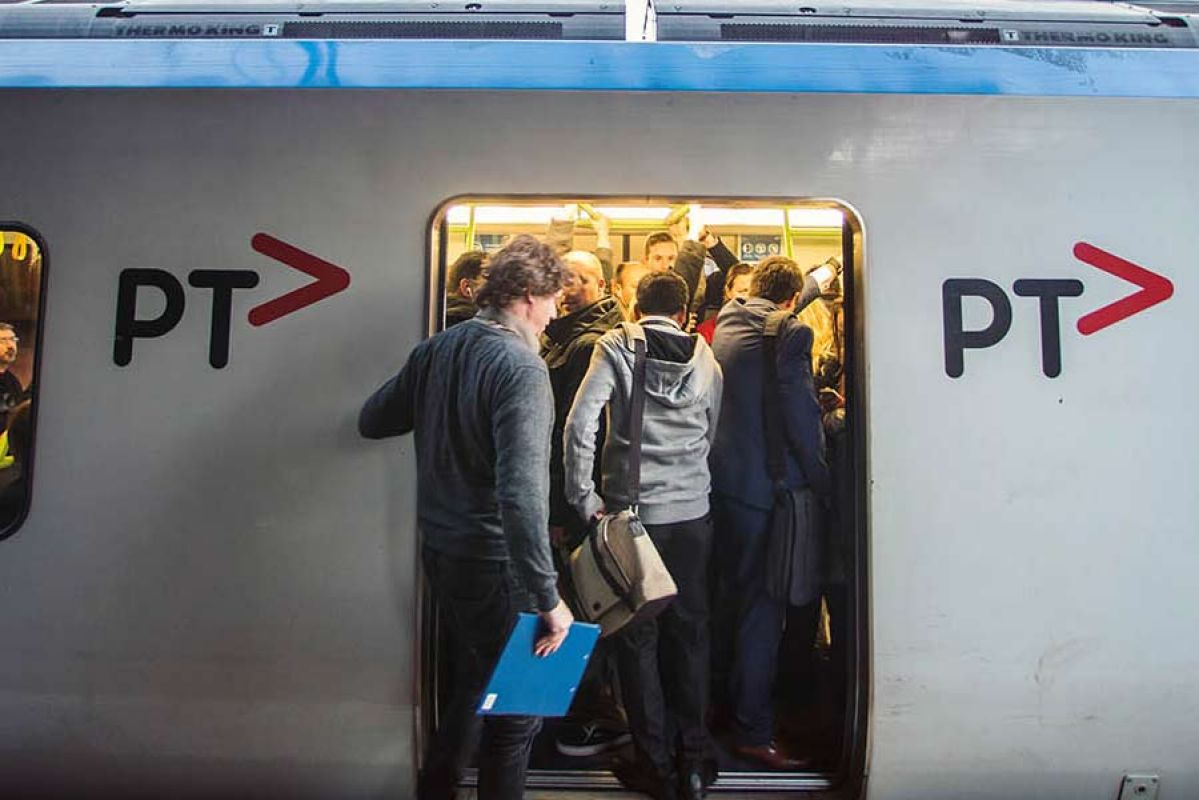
819 317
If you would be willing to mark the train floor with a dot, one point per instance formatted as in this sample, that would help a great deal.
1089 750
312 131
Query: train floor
810 722
810 727
815 737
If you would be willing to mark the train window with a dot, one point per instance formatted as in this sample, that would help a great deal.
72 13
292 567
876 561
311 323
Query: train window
818 699
21 271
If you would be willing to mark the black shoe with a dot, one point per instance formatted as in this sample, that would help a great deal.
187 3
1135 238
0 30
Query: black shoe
590 739
691 786
636 777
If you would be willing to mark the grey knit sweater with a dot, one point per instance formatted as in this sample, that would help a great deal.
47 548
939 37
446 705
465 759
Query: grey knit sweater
479 399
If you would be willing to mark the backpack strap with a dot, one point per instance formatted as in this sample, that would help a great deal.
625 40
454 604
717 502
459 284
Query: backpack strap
635 335
772 407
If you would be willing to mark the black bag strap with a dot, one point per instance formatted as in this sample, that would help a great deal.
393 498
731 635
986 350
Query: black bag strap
772 407
636 411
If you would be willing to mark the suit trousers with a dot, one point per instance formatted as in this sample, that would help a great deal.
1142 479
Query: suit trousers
756 622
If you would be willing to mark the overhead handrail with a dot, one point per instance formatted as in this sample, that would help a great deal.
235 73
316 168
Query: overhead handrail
470 228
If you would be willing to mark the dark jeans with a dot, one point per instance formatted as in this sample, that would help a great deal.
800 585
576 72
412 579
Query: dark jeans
479 602
757 624
664 661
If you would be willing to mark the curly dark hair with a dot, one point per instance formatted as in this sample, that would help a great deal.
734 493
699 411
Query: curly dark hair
662 293
776 279
523 267
468 266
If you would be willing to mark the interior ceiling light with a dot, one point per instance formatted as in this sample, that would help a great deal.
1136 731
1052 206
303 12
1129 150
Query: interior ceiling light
714 216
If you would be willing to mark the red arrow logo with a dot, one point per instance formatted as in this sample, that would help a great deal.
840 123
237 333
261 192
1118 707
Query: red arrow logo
1154 288
330 279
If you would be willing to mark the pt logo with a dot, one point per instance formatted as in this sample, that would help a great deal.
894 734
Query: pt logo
330 279
1153 289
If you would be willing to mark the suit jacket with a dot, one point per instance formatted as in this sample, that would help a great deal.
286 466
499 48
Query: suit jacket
738 459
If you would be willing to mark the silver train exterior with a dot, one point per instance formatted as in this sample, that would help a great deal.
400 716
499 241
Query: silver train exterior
215 588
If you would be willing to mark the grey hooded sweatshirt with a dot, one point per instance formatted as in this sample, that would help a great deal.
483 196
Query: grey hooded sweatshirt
683 385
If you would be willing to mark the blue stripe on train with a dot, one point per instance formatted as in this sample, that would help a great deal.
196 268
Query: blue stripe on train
611 66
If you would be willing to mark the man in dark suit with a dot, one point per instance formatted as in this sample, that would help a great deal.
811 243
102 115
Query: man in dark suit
743 491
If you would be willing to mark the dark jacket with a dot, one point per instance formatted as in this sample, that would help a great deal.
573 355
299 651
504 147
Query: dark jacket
714 291
479 400
458 309
739 452
566 349
690 265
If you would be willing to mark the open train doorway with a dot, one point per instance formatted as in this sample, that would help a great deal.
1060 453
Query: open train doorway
820 689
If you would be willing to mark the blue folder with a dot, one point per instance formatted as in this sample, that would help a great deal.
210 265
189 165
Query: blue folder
522 683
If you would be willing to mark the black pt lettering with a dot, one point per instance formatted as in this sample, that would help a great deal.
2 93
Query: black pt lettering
1049 290
222 282
957 340
129 327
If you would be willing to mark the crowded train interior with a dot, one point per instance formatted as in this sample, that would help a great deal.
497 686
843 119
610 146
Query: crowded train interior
820 663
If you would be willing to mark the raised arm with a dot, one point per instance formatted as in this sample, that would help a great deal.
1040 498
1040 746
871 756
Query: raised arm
690 265
717 249
603 246
724 258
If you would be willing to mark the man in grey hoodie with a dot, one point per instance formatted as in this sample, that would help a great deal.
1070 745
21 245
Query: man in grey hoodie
663 662
479 400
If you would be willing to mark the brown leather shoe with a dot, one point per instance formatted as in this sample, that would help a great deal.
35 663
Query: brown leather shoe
772 756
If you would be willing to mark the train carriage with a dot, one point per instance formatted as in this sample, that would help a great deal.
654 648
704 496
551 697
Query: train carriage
225 224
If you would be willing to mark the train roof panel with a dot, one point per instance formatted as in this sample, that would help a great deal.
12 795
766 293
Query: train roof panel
1077 10
1174 7
1010 23
377 6
289 19
1006 23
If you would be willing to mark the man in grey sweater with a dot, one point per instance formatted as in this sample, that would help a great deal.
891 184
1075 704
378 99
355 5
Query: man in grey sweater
663 662
478 397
